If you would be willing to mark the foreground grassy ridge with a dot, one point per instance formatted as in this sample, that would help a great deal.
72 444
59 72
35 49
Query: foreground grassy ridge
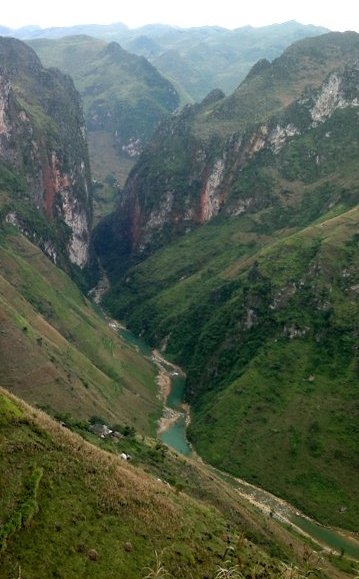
268 339
95 517
69 509
58 352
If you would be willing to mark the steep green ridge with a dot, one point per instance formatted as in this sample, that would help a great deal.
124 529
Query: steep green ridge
268 341
124 99
69 509
258 301
56 351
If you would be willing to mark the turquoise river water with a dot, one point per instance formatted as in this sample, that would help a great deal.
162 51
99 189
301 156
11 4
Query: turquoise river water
175 435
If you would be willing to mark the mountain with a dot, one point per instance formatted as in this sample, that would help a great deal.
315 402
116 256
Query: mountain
91 492
44 168
196 60
199 163
234 249
124 99
202 59
55 349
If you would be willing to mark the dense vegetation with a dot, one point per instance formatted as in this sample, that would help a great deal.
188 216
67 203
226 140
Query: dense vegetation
260 304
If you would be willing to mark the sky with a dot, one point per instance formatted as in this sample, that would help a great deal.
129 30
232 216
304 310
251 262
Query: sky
343 15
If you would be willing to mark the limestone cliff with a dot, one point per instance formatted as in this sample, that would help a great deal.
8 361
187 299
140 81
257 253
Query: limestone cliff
44 167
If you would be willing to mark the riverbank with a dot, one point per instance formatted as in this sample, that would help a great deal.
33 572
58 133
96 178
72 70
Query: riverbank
165 365
167 372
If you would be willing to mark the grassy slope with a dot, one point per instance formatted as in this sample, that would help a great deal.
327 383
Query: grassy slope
288 417
58 352
71 510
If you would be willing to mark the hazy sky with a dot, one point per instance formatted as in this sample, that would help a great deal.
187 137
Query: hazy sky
343 15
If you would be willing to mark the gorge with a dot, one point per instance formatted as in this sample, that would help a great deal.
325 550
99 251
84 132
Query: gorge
231 249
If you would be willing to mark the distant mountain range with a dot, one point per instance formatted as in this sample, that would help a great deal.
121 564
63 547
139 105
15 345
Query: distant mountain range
195 60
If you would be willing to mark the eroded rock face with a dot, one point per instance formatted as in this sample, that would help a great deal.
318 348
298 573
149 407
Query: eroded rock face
4 97
331 97
211 198
280 135
43 147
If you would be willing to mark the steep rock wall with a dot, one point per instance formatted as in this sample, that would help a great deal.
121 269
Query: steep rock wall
43 144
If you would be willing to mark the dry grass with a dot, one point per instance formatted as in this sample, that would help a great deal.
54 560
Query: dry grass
158 571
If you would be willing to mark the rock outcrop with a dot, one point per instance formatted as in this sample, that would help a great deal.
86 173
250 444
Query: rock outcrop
44 167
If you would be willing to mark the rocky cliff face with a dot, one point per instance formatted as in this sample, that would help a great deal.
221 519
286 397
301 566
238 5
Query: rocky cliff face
124 99
202 161
44 168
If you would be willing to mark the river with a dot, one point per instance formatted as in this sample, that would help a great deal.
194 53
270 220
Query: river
174 435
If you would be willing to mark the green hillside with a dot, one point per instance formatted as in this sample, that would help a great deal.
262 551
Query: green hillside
265 336
71 510
57 352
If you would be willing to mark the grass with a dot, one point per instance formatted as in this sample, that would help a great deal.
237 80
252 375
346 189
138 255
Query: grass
97 516
57 351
